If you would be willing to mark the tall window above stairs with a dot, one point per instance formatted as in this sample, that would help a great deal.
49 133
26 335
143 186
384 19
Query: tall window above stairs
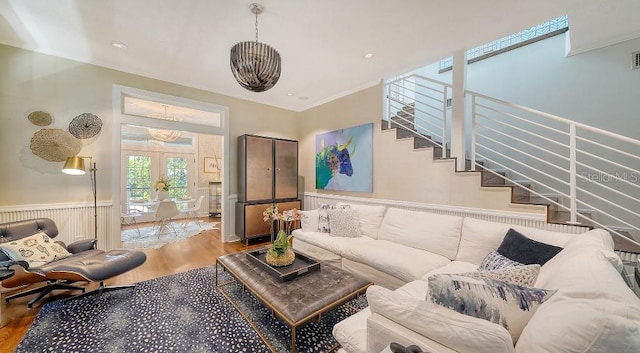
530 35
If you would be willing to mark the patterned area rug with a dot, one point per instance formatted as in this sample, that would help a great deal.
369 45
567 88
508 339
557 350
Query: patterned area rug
177 313
150 239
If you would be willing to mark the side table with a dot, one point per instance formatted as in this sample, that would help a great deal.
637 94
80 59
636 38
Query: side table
4 274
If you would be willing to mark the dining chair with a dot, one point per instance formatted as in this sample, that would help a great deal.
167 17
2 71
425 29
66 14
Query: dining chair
165 212
192 212
128 219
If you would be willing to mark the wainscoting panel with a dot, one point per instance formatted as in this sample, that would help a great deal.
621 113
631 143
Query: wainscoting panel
74 221
314 200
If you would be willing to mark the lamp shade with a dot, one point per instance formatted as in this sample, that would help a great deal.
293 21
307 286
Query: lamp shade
74 166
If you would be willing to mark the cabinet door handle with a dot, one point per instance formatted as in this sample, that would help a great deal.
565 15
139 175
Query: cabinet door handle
277 169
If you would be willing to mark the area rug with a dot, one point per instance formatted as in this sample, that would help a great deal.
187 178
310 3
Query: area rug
178 313
147 238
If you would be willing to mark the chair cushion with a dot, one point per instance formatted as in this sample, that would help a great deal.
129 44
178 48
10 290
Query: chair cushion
494 261
37 250
370 217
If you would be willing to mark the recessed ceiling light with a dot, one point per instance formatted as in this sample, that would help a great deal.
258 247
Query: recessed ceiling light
368 55
119 45
290 94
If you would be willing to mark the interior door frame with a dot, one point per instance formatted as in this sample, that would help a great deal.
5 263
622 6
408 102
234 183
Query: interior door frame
119 92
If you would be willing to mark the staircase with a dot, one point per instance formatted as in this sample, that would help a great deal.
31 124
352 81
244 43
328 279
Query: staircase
511 144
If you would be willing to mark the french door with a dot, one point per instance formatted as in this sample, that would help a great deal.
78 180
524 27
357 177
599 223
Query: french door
142 169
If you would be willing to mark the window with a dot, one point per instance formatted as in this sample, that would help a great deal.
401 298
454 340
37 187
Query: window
178 175
530 35
138 176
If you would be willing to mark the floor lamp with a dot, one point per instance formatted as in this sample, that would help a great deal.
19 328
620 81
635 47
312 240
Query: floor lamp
75 166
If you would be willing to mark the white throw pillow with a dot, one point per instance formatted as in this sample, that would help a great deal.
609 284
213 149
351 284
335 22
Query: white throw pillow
309 220
502 303
459 332
494 261
523 275
370 217
37 250
344 223
323 217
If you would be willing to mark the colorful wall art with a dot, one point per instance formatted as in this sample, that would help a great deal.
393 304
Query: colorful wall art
344 159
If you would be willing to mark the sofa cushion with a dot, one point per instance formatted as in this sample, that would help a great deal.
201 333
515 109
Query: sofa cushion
494 261
336 245
593 309
351 332
309 221
37 249
502 303
439 234
403 262
370 217
520 248
480 237
451 267
459 332
344 223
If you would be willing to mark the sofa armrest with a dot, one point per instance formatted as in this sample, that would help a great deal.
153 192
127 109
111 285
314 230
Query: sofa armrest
81 245
459 332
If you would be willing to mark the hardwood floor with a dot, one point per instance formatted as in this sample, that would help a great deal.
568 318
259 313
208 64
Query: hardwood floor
194 252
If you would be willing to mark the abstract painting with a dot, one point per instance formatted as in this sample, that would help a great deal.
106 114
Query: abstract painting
344 159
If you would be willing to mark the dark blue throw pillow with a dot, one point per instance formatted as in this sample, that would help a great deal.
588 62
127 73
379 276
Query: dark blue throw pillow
518 247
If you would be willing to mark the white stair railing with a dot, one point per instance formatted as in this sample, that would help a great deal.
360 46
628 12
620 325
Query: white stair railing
418 104
593 170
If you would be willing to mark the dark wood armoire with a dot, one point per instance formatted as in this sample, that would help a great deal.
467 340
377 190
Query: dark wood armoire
267 174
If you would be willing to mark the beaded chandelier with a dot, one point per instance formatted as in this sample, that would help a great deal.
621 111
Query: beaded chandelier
255 65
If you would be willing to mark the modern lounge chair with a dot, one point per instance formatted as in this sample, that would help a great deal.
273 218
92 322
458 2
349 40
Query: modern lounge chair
79 262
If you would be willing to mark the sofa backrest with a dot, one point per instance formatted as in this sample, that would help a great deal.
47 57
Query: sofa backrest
479 237
432 232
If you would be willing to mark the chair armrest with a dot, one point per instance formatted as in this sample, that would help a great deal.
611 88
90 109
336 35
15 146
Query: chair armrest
9 263
81 245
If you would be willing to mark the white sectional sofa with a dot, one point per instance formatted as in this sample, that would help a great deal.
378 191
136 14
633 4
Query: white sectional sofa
591 310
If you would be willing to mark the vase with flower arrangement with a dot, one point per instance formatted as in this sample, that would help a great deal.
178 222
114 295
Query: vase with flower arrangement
162 187
281 253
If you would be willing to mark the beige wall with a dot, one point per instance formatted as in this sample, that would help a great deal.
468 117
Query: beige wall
31 81
65 89
359 108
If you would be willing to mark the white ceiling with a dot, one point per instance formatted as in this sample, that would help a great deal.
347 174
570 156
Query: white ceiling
321 41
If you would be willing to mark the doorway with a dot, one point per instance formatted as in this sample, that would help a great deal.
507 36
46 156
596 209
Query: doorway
188 128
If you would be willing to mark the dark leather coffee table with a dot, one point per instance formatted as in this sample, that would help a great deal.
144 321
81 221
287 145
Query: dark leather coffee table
297 301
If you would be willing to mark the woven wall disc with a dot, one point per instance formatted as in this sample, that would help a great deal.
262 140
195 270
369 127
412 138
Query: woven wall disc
40 118
85 125
54 145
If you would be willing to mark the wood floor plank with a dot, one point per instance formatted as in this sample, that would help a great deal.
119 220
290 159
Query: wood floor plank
194 252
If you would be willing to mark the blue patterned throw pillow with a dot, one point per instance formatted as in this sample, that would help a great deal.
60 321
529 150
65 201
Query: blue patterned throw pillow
494 261
502 303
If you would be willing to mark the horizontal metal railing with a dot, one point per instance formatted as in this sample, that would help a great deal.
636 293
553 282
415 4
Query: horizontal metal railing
593 170
417 104
588 173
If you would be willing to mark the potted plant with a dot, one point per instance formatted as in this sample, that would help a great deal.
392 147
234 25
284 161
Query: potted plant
281 253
